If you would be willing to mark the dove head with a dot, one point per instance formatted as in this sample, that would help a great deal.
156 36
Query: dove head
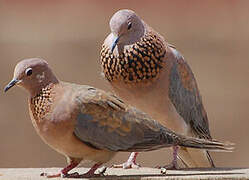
126 28
33 75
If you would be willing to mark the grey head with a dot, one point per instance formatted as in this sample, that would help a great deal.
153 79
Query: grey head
126 28
32 74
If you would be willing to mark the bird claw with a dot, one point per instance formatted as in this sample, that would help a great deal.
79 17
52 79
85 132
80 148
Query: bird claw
127 165
72 175
51 175
101 171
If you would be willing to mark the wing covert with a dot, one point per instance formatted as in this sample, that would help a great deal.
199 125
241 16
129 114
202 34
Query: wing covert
184 94
104 126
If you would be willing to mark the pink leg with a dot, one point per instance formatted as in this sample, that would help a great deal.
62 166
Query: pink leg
173 165
130 163
63 173
90 173
174 161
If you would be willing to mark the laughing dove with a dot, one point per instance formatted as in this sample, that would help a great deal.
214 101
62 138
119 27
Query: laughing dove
85 123
150 74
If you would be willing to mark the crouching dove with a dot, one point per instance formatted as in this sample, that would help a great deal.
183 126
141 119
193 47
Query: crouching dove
85 123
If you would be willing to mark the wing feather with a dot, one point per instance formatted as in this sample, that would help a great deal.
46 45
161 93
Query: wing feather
105 122
184 94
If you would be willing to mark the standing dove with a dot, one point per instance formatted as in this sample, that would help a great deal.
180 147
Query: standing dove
84 123
150 74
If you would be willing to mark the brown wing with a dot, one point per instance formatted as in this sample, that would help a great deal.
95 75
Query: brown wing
105 122
185 96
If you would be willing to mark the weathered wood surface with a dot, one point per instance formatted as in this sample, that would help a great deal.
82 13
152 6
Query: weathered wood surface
133 174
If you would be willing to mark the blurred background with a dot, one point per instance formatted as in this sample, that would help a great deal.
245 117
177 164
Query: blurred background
213 36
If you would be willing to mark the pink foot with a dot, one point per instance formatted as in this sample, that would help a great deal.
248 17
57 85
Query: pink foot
64 173
130 163
126 165
173 165
90 173
72 175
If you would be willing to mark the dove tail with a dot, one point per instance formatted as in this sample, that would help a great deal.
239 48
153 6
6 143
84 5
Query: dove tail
211 145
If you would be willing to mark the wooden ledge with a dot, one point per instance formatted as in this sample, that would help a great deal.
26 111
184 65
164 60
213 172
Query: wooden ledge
132 174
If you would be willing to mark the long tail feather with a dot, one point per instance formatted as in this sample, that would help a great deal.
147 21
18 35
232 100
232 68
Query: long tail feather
211 145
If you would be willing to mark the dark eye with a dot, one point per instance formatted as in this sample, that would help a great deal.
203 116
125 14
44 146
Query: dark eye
129 25
28 71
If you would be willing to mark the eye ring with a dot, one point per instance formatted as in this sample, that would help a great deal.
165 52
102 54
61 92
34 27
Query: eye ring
129 25
28 71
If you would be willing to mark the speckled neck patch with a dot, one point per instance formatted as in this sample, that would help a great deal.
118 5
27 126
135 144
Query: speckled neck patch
141 62
41 103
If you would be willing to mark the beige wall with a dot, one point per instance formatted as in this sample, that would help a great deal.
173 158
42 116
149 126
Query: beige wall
212 35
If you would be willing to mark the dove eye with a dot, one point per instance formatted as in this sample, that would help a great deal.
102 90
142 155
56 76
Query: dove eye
129 25
28 71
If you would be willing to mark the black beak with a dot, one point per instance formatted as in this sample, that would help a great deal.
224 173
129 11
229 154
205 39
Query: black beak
11 84
114 44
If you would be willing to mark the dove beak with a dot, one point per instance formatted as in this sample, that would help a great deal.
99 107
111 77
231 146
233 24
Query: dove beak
12 83
115 42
